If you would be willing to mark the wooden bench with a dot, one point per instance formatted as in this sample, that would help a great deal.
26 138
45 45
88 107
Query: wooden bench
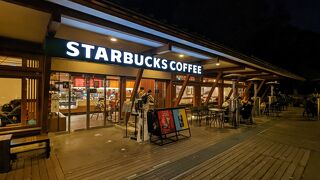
30 143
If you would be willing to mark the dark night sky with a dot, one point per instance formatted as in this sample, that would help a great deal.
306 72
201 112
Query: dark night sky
283 32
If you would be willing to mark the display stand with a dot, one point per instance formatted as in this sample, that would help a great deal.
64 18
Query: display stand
166 125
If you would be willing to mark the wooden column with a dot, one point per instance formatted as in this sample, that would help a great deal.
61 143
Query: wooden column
135 90
197 93
169 93
45 84
24 92
136 84
184 85
214 85
221 93
122 93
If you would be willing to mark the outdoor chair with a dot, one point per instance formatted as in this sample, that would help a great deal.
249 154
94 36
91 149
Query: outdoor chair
204 113
195 113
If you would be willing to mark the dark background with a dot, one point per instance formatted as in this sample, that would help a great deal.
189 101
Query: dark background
285 33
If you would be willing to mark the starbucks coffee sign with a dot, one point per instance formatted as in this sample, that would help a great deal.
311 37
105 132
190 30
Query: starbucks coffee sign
92 53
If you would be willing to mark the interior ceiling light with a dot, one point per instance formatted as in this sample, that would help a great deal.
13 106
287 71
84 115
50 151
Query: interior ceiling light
218 63
181 55
113 39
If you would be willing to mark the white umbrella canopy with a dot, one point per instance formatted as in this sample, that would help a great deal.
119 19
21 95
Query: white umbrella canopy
273 82
255 79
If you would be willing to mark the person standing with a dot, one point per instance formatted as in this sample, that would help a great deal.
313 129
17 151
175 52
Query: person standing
141 93
147 104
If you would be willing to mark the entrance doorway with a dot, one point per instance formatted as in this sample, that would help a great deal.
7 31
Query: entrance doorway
85 101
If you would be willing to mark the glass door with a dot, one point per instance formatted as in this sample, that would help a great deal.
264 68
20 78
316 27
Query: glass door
96 93
78 102
112 99
60 102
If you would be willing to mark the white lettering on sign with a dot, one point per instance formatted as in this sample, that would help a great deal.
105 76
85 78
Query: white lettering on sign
127 58
147 61
101 54
86 51
164 64
115 56
72 50
172 65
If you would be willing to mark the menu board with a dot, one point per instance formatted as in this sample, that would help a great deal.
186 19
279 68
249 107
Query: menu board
180 119
166 121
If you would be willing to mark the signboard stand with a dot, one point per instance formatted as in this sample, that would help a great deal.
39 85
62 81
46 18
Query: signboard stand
165 125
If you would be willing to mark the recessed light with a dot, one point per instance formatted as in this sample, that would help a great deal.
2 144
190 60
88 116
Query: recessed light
181 55
113 39
217 64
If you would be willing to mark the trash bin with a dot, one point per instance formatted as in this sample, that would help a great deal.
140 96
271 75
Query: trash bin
5 152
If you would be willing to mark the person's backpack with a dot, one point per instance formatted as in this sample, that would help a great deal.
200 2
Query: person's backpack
144 98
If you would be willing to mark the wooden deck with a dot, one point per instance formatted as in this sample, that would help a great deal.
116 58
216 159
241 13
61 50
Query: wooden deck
282 151
256 158
34 165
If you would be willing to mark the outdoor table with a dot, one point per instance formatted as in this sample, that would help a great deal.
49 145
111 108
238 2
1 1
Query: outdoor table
219 116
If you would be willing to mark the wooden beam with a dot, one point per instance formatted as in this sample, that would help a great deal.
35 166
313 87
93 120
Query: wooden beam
221 94
224 69
16 45
260 86
214 85
136 85
20 69
184 85
134 92
248 72
230 93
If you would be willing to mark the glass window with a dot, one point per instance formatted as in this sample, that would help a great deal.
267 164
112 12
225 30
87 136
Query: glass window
17 107
205 92
187 94
10 61
183 77
209 80
129 88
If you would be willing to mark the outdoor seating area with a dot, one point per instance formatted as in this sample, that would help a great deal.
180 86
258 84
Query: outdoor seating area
11 147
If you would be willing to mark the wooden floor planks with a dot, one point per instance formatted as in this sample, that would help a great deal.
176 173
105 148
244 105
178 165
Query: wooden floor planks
35 167
265 156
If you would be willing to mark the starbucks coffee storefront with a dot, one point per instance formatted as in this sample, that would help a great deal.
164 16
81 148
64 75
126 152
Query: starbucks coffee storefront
72 65
89 84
